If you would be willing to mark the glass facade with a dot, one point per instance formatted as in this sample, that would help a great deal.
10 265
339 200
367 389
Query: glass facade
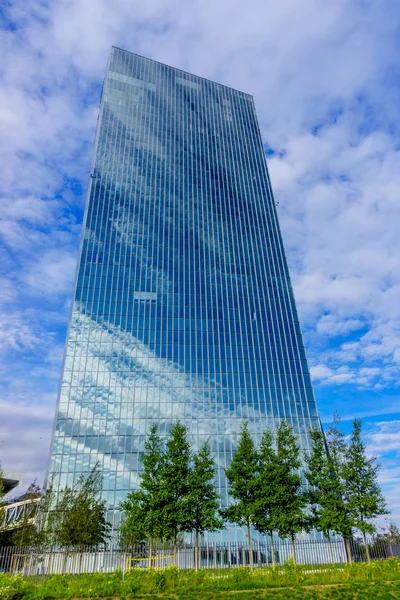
183 306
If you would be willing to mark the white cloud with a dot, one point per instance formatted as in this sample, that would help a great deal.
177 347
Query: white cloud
384 436
53 273
25 432
321 372
15 333
31 209
322 77
383 441
364 377
333 325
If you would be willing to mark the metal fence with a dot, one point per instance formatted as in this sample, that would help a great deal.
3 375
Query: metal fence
35 561
15 513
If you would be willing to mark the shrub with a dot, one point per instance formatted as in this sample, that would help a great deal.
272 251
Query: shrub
172 574
133 582
159 581
240 574
11 587
194 578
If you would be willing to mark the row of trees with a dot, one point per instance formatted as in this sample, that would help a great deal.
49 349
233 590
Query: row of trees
273 488
344 493
176 494
338 491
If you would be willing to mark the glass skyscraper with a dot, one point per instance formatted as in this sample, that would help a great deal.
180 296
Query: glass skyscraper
183 306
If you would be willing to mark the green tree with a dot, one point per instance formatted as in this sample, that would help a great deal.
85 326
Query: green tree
291 500
151 483
46 516
242 476
79 516
202 499
325 494
392 536
362 492
267 490
344 490
143 509
134 529
175 475
338 513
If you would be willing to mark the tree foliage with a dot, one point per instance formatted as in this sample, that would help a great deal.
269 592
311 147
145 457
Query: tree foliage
46 515
339 515
79 515
202 499
344 493
159 509
267 490
392 535
175 481
362 492
266 486
143 508
291 518
328 508
135 527
242 476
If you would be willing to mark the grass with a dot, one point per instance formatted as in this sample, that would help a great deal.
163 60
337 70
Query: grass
370 591
379 580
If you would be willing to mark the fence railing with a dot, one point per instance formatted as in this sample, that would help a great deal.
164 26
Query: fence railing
23 511
36 561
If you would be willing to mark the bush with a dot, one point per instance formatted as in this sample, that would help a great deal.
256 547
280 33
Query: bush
240 574
172 575
11 587
159 581
201 584
133 582
194 579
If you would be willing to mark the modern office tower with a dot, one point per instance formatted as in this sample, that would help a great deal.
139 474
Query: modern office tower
183 307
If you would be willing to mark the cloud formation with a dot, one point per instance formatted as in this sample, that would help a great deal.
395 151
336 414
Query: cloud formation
325 81
383 441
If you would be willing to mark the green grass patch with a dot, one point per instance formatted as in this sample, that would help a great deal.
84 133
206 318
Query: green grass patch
378 580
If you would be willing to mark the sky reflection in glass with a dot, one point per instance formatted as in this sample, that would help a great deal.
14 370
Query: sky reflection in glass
183 306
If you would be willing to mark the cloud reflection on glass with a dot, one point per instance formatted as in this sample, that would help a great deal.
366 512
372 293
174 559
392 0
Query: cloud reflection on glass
183 306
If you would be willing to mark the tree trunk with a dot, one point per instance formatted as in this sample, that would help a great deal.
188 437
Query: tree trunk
271 533
330 548
250 545
366 547
65 561
196 551
64 569
51 561
348 549
175 550
150 553
294 548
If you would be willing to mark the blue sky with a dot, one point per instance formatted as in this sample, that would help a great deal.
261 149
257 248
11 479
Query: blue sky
325 77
